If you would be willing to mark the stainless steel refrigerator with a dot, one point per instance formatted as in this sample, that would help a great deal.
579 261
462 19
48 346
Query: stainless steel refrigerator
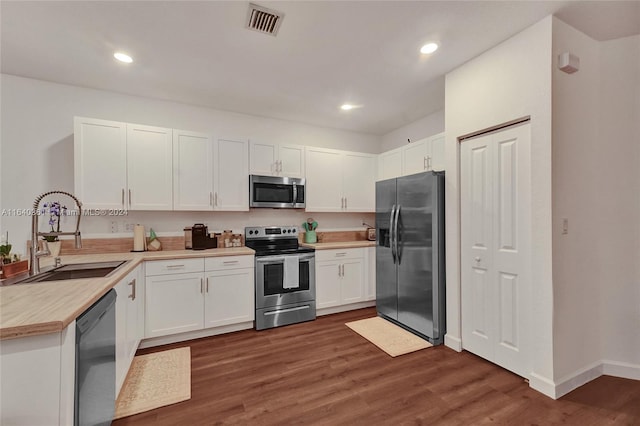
410 280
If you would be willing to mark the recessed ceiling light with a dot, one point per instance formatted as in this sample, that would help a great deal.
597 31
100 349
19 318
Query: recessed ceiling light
123 57
429 48
349 107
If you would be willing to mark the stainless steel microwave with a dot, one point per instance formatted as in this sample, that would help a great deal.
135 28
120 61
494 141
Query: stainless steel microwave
276 192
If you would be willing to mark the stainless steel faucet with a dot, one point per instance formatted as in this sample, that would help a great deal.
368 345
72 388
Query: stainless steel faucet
36 253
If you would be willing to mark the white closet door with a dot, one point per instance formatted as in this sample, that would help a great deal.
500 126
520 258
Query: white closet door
496 239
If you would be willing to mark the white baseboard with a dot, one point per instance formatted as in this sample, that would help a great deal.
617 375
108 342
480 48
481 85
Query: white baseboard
345 308
543 385
453 342
590 372
624 370
578 378
190 335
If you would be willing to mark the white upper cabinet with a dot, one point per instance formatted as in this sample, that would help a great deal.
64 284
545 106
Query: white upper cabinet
192 171
149 167
231 175
420 156
131 166
390 164
100 163
122 165
268 159
339 181
358 182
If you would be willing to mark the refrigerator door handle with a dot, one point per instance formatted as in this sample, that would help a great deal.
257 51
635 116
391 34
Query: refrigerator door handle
395 233
393 213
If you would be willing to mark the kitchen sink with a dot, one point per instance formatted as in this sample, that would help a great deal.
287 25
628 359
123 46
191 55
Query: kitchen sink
75 271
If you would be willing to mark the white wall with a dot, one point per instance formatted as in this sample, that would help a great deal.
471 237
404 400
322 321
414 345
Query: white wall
619 239
596 158
577 155
37 149
427 126
509 81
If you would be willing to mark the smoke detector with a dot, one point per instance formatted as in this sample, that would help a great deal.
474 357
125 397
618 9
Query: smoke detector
264 20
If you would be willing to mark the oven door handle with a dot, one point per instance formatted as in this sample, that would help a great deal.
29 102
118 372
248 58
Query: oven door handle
266 260
280 311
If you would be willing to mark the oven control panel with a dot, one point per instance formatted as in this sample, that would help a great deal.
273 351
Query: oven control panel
253 232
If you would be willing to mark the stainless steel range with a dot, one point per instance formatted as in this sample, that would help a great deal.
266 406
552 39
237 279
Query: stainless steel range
285 276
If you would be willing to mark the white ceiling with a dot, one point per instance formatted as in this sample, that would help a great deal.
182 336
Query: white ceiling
326 53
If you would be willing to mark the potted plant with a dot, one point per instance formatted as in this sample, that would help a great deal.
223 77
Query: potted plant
11 264
55 210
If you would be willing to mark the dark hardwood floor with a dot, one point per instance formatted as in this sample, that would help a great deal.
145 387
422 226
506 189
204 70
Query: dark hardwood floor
322 373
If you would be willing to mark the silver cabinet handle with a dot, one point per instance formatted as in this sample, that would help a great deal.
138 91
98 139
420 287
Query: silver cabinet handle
176 266
132 296
211 199
341 254
280 169
129 198
429 162
215 199
342 203
207 285
123 198
230 262
201 285
345 203
339 271
424 163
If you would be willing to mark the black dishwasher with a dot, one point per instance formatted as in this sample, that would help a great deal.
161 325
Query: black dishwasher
95 391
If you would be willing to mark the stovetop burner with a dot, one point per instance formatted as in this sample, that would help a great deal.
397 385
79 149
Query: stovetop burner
274 240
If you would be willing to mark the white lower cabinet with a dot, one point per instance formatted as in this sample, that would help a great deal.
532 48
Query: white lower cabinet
370 269
220 293
340 277
129 322
229 297
174 304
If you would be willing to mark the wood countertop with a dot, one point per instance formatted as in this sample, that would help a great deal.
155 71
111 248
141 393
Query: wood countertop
48 307
340 245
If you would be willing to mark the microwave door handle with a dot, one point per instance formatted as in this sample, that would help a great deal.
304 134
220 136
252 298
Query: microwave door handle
295 195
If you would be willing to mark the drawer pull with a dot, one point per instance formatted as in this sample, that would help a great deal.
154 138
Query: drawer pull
341 254
175 266
230 262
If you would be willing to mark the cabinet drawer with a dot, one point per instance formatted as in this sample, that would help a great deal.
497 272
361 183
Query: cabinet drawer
175 266
228 262
352 253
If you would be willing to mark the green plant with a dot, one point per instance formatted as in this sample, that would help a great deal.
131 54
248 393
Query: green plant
5 249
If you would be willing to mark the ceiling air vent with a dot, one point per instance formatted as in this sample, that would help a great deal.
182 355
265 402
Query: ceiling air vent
264 20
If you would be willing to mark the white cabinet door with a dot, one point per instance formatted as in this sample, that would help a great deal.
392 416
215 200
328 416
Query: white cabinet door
263 158
415 157
324 180
370 269
174 304
291 161
229 297
128 332
358 182
100 163
327 284
231 181
149 167
495 201
192 171
352 281
390 164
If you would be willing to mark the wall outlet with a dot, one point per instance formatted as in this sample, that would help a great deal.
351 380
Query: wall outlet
129 227
114 227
